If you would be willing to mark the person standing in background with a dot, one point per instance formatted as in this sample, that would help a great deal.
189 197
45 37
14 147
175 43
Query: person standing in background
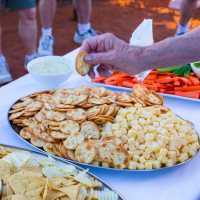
187 8
27 29
5 75
47 13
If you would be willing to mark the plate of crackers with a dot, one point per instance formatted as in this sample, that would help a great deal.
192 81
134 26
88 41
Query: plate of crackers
96 127
31 175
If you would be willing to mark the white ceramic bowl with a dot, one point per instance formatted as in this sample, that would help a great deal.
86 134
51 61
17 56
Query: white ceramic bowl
195 69
50 71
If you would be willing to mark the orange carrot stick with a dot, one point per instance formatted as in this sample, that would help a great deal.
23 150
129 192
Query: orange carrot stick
188 88
166 79
194 80
184 80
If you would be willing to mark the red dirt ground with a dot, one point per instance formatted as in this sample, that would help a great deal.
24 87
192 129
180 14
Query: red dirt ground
107 17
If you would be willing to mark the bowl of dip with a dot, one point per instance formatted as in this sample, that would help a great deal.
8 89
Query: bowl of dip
50 71
196 68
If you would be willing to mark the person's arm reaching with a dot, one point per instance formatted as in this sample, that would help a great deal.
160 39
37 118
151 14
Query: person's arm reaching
108 49
174 51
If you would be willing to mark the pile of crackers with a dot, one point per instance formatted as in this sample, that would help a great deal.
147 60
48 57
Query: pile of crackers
69 122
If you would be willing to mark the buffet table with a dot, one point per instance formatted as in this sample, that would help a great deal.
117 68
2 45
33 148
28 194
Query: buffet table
179 183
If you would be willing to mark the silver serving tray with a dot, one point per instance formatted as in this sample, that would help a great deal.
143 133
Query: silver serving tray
17 129
119 88
43 154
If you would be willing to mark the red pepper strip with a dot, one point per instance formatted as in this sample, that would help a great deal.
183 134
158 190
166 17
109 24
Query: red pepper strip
99 79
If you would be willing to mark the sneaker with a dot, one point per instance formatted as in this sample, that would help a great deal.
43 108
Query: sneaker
79 38
5 75
46 45
29 58
181 30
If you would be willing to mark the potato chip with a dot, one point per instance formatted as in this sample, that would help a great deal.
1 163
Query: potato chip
71 191
18 197
25 181
48 180
5 169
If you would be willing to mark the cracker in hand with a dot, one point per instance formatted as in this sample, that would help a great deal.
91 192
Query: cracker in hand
81 66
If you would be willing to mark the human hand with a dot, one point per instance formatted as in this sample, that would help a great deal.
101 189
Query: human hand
113 53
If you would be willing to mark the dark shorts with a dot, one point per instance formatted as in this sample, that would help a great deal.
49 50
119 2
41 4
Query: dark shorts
2 3
19 4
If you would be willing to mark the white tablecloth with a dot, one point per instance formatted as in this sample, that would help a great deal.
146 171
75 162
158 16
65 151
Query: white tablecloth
181 183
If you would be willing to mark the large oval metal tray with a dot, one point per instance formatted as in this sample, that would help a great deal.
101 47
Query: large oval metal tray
105 186
17 130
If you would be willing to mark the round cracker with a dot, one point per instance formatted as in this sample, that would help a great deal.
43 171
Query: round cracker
78 114
86 152
69 127
90 130
16 115
72 141
26 133
58 135
81 66
37 141
119 157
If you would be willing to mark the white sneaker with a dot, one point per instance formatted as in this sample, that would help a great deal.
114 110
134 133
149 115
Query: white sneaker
46 45
5 75
79 38
181 30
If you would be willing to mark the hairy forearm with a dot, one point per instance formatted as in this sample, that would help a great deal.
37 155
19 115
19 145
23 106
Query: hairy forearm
172 51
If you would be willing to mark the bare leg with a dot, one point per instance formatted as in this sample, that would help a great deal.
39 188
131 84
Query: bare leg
1 9
187 9
84 30
28 29
5 75
47 12
0 41
84 9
